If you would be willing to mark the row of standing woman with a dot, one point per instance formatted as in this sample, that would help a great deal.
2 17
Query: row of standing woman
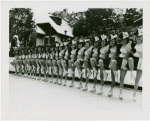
103 54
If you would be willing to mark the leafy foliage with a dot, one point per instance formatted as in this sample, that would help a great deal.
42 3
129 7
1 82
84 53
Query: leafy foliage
131 15
99 21
93 24
21 23
22 17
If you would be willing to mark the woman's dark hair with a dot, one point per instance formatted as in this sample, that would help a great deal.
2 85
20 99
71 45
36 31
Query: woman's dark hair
92 40
19 52
106 43
111 46
115 41
131 40
75 46
81 43
31 50
43 49
15 38
62 47
47 48
121 36
127 39
69 49
38 49
15 52
57 50
52 46
23 51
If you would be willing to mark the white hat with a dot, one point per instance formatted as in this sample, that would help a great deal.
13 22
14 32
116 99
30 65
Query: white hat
61 44
65 43
57 45
103 37
81 40
96 39
125 35
113 36
87 40
140 32
74 42
15 36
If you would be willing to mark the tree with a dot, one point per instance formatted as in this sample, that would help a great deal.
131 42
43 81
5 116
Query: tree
131 15
96 21
20 21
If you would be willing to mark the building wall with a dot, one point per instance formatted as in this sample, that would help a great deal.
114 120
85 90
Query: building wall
57 38
39 41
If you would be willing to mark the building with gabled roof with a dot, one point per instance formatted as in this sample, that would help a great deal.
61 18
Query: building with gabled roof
51 28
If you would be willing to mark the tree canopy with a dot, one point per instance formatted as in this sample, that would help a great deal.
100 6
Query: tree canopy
22 17
103 20
21 23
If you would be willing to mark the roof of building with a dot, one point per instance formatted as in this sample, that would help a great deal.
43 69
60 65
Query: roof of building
59 28
40 30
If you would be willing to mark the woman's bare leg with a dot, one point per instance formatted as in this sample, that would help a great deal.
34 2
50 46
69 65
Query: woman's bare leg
113 65
138 77
101 63
122 76
60 71
72 67
131 67
78 65
87 81
93 64
65 68
87 73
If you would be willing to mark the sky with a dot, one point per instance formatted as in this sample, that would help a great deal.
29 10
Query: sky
44 10
41 12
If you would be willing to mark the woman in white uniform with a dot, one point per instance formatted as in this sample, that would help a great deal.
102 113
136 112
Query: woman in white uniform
103 62
87 65
29 62
94 61
20 62
73 57
112 57
52 57
15 61
23 61
64 61
47 62
136 59
39 62
43 63
60 68
26 62
54 61
34 57
123 52
35 64
79 61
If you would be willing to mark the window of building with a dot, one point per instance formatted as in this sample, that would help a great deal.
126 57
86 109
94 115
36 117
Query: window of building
52 40
46 39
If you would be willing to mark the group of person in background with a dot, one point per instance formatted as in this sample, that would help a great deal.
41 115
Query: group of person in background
117 52
22 37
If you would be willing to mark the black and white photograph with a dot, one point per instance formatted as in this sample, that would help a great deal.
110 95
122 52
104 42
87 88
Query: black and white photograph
74 58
